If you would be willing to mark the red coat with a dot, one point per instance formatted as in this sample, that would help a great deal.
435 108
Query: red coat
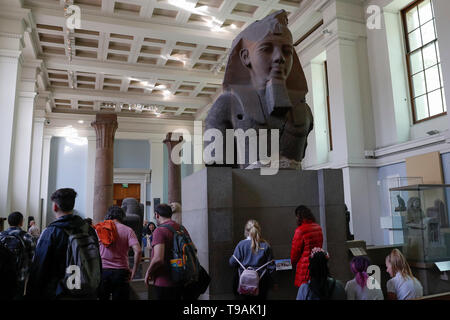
307 236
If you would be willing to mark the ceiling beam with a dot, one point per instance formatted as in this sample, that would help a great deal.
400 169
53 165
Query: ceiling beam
123 97
135 27
131 70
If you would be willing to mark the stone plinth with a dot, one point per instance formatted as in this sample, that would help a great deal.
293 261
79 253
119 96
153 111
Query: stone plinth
217 202
105 126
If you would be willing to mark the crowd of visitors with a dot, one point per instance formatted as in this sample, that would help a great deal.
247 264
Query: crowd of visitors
45 265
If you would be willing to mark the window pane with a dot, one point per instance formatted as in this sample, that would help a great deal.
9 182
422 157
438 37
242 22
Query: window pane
438 53
429 55
435 100
415 40
443 98
428 33
416 62
412 19
421 105
433 81
425 12
419 84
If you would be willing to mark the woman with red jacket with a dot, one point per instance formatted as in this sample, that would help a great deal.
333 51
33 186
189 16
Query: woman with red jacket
308 235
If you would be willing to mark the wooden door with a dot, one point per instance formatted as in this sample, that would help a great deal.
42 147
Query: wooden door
126 190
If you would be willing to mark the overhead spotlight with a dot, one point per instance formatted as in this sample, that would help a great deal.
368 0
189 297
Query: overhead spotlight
80 121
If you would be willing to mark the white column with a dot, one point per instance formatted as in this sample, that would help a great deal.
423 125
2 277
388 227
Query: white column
11 45
44 177
441 10
157 171
23 135
34 203
352 115
90 174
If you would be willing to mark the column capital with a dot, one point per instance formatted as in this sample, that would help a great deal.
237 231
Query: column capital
105 126
171 140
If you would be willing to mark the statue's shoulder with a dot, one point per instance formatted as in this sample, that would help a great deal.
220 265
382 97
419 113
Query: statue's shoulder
227 98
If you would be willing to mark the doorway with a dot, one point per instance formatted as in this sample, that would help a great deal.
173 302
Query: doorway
126 190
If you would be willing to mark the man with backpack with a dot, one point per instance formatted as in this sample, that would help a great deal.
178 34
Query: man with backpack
21 245
174 264
67 263
116 239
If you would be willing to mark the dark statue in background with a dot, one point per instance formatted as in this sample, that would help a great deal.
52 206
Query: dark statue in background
264 88
134 216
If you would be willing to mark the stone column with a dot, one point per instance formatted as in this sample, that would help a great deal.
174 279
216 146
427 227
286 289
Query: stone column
174 194
157 175
34 203
23 138
46 144
11 45
105 126
90 176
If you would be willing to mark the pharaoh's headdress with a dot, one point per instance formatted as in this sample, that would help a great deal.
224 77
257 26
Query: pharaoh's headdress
277 24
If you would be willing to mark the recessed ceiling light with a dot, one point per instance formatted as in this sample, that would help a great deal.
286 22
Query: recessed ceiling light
80 121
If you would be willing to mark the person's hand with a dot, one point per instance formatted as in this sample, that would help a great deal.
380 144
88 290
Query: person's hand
132 273
147 277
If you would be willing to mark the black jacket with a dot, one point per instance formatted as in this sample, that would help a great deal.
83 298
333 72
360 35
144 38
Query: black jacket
49 262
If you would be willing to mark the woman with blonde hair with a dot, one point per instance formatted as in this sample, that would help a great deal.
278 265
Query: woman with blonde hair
253 252
403 285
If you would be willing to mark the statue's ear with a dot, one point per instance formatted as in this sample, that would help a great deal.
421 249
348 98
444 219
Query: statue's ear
245 57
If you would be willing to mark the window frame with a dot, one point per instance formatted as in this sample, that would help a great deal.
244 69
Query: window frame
408 54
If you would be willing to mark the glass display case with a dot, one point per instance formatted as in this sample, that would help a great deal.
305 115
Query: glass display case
423 212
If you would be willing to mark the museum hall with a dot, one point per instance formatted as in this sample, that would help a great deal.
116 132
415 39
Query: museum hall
138 99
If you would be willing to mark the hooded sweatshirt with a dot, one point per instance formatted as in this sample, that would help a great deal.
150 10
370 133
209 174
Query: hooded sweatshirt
49 262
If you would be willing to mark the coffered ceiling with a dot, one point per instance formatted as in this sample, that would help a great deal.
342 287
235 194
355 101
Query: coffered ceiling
145 58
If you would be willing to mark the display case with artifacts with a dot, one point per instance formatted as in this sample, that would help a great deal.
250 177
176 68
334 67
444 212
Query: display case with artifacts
425 223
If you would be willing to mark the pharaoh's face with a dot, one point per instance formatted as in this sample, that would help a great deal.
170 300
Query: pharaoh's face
270 58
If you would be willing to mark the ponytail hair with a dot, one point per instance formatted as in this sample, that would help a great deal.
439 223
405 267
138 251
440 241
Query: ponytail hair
359 267
253 230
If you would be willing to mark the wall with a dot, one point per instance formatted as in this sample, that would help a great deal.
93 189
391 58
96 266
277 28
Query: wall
131 154
67 169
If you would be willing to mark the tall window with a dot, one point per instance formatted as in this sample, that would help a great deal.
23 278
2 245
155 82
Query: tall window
423 60
330 136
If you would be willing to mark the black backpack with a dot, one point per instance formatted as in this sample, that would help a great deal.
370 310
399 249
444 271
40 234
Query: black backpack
8 283
83 258
16 245
184 264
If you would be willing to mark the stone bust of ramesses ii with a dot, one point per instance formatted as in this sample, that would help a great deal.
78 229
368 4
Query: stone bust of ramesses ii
264 87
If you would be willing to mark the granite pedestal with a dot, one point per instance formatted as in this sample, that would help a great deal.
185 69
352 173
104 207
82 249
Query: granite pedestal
217 202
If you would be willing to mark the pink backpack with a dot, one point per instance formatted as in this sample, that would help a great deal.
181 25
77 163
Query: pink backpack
249 279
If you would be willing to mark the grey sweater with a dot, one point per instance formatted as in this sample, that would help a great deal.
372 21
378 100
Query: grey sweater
244 253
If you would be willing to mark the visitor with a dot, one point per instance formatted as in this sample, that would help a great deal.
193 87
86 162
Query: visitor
116 273
254 252
308 235
147 237
159 270
403 285
48 269
356 289
21 245
89 222
34 231
321 286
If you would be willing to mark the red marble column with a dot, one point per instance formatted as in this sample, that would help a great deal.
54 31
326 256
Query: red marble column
105 126
174 192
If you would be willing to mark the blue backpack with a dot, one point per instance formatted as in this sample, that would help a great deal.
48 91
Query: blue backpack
184 264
